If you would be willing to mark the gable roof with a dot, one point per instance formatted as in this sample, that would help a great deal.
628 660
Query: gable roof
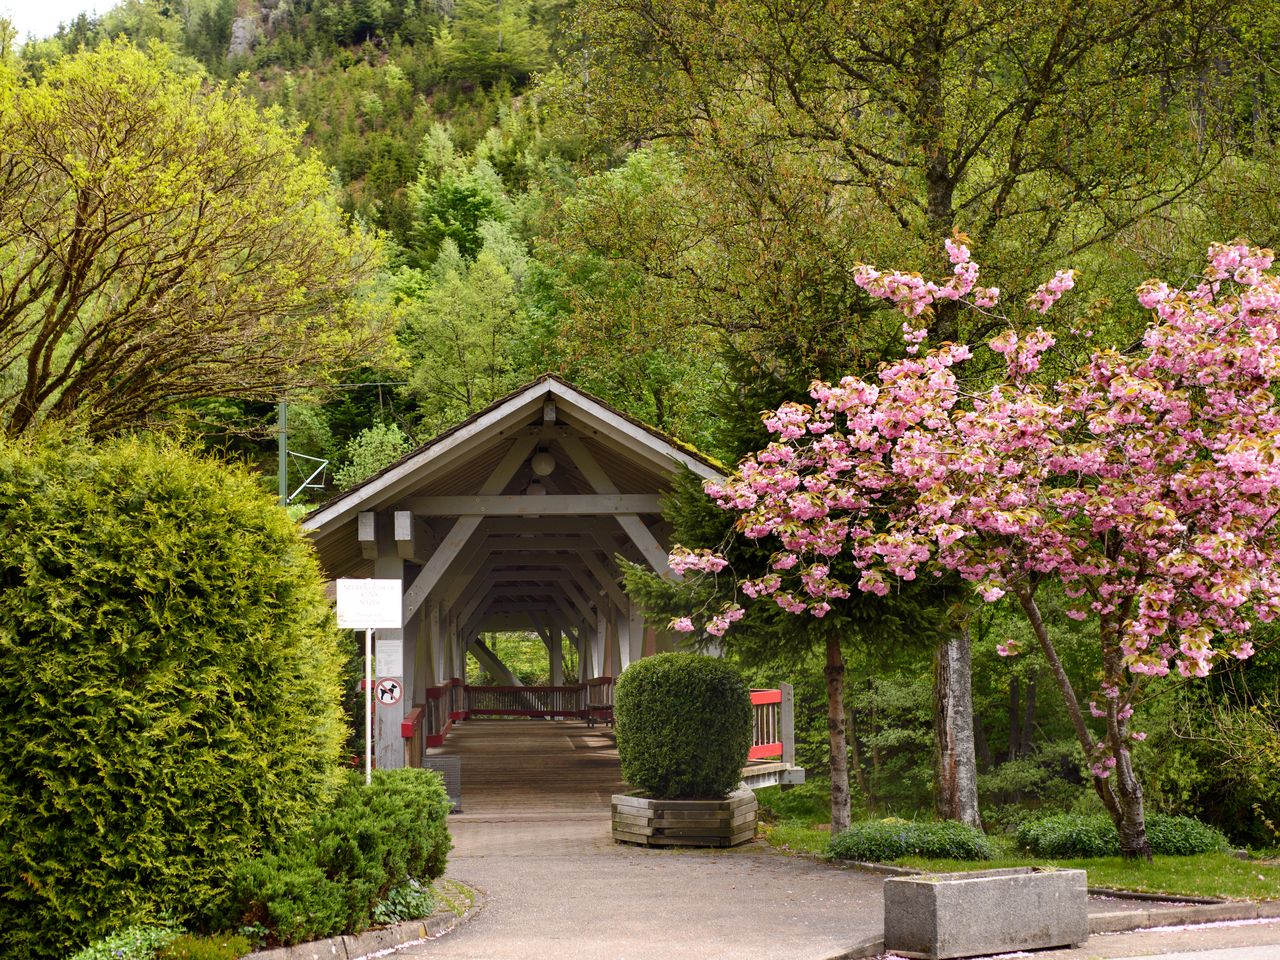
503 414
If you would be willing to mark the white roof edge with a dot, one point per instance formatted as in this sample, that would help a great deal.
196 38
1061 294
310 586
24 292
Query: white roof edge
339 509
623 425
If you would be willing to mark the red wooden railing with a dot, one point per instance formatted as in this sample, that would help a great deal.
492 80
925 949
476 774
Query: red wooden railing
524 701
427 725
766 725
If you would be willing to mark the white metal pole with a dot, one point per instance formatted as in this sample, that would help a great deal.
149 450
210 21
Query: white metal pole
368 707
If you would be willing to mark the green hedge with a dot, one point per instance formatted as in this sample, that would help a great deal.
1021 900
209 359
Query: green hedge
330 878
881 841
1067 835
169 701
684 726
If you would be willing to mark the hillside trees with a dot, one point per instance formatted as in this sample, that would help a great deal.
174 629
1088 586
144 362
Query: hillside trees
817 135
163 241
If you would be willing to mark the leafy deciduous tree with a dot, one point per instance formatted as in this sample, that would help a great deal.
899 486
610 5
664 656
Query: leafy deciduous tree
161 240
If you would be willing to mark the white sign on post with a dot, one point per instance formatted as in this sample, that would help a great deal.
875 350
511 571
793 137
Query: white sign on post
369 604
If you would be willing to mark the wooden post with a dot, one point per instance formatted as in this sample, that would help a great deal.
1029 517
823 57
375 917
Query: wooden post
556 652
389 745
787 721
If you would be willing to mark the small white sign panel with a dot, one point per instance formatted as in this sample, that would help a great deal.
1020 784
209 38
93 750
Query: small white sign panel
369 604
389 691
389 656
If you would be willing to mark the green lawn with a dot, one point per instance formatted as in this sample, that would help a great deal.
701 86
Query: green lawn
1205 875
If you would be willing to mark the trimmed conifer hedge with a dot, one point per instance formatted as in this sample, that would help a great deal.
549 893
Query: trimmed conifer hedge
684 726
169 695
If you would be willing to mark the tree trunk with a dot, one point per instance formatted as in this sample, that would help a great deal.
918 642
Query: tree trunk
955 762
1015 711
836 735
858 775
985 757
1126 807
1028 720
1121 793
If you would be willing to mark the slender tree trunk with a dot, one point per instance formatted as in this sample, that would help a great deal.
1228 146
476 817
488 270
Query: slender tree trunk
836 735
1015 711
985 758
873 797
858 775
1028 720
955 762
1120 792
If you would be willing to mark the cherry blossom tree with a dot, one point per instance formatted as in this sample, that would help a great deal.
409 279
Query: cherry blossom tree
1145 484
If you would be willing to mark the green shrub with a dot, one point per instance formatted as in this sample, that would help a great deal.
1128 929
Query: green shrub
880 841
1068 835
169 701
132 943
683 726
411 900
329 878
191 947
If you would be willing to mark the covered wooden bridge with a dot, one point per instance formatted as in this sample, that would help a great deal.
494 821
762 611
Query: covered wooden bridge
514 520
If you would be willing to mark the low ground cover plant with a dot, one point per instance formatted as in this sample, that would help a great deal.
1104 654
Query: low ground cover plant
331 877
684 726
882 841
1081 835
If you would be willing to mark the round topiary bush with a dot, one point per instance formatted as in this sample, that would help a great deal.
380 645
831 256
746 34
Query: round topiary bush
169 696
684 726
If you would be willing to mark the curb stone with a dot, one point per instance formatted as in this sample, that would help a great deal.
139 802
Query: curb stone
377 943
1178 916
862 950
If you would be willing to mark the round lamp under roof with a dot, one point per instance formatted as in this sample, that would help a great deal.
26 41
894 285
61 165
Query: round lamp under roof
543 463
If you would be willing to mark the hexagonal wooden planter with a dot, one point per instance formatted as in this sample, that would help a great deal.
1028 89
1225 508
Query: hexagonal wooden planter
685 823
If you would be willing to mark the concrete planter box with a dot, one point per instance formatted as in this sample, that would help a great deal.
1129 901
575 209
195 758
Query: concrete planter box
943 915
685 823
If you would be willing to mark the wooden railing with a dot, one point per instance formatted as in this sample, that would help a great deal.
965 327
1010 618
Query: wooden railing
599 700
773 725
772 736
524 701
444 704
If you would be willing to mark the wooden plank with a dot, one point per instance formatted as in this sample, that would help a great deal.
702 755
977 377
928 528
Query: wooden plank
550 505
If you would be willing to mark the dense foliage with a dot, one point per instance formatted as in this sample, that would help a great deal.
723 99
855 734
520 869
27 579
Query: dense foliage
1073 835
881 841
169 690
359 850
683 725
164 241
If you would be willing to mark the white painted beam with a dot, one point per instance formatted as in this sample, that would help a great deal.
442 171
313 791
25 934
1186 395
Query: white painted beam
464 527
367 534
635 528
549 505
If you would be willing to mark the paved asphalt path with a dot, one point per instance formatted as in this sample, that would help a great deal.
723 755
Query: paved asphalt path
534 836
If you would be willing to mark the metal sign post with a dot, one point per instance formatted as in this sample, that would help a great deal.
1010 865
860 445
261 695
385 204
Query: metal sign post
373 605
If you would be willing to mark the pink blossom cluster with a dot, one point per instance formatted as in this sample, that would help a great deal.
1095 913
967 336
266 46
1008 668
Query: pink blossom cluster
1147 483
